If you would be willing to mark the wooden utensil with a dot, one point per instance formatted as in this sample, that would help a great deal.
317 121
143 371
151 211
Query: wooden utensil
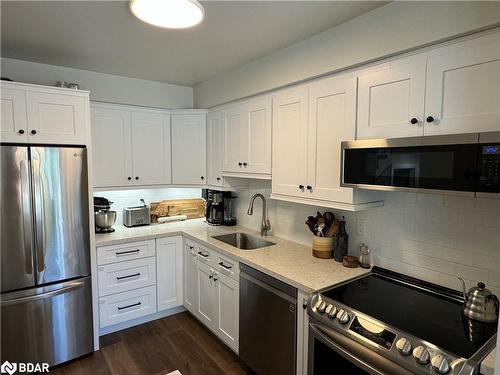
333 229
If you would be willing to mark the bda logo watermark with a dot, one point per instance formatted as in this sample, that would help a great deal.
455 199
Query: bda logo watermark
10 368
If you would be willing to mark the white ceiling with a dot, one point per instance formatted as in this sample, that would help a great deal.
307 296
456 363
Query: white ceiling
103 36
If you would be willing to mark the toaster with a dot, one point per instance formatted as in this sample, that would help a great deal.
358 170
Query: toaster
138 215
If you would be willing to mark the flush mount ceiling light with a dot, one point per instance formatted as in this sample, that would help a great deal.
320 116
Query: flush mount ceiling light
170 14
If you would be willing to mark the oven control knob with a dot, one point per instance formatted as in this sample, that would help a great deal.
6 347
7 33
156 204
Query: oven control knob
321 307
421 355
343 316
440 364
404 346
332 313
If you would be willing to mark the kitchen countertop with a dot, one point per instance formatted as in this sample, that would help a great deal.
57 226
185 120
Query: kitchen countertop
288 261
488 365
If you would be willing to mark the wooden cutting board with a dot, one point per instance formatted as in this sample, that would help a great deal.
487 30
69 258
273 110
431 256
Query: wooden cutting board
192 208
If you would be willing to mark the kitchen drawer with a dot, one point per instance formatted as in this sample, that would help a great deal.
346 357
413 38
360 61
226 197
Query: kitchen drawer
204 254
127 251
227 266
123 276
125 306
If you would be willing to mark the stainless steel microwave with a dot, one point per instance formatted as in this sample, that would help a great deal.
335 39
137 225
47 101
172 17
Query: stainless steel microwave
459 162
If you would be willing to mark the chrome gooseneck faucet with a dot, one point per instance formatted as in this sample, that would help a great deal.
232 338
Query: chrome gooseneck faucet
266 224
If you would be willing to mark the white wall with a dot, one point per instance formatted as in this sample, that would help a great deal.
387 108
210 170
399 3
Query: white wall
396 27
127 198
103 87
430 236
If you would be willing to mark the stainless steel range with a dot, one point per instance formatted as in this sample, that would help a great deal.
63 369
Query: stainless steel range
388 323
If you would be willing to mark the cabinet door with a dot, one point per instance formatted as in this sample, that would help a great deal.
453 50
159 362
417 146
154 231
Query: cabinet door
190 275
13 125
463 87
235 139
111 140
206 294
290 141
215 141
56 118
332 119
169 272
228 293
189 153
258 136
151 132
389 99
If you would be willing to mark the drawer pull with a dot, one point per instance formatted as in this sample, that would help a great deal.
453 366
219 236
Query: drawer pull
118 253
128 276
203 254
129 306
226 267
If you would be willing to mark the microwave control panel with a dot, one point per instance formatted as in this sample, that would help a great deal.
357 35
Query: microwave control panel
489 168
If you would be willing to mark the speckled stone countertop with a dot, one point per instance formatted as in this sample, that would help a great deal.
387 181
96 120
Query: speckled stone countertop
488 365
288 261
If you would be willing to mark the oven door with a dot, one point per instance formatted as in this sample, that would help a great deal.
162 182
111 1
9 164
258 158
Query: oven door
446 163
333 353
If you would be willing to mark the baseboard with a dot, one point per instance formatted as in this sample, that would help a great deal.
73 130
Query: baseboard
141 320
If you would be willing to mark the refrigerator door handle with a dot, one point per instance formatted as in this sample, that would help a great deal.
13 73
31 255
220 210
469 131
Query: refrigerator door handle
39 215
26 215
72 285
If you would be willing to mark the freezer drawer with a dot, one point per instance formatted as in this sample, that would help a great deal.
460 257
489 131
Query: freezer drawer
125 306
124 276
50 324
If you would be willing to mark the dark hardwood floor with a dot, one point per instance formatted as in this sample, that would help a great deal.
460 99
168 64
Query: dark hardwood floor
178 342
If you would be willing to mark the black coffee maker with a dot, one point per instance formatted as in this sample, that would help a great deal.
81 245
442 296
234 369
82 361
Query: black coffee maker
215 207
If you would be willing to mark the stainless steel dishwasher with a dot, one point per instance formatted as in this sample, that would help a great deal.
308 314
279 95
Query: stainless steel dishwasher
268 321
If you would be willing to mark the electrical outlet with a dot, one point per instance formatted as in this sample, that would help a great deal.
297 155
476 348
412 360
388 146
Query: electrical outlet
361 227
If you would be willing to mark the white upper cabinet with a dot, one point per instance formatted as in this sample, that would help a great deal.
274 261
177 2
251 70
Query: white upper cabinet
47 115
215 151
122 140
13 125
290 117
169 267
189 148
247 138
151 132
112 146
391 101
463 87
332 119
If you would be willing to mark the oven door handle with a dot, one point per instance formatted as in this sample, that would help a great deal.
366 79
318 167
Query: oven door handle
353 352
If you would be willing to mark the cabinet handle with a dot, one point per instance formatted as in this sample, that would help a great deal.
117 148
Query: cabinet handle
136 177
129 306
301 187
203 254
414 121
210 276
218 178
240 164
202 177
429 119
304 305
21 131
309 187
226 267
129 178
128 276
245 164
33 132
191 247
215 279
118 253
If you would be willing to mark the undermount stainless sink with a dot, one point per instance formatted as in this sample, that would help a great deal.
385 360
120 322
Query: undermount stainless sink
243 241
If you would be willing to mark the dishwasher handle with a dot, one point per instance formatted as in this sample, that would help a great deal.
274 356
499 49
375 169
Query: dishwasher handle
268 287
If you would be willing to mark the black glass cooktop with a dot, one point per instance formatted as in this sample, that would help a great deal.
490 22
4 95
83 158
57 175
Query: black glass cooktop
435 318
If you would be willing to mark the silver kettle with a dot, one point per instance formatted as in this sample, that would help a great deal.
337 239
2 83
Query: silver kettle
480 304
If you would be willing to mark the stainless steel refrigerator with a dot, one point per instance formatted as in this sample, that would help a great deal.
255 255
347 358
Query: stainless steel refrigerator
46 303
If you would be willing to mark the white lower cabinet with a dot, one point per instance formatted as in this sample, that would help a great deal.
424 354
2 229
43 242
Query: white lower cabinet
189 266
227 312
302 332
169 272
206 295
